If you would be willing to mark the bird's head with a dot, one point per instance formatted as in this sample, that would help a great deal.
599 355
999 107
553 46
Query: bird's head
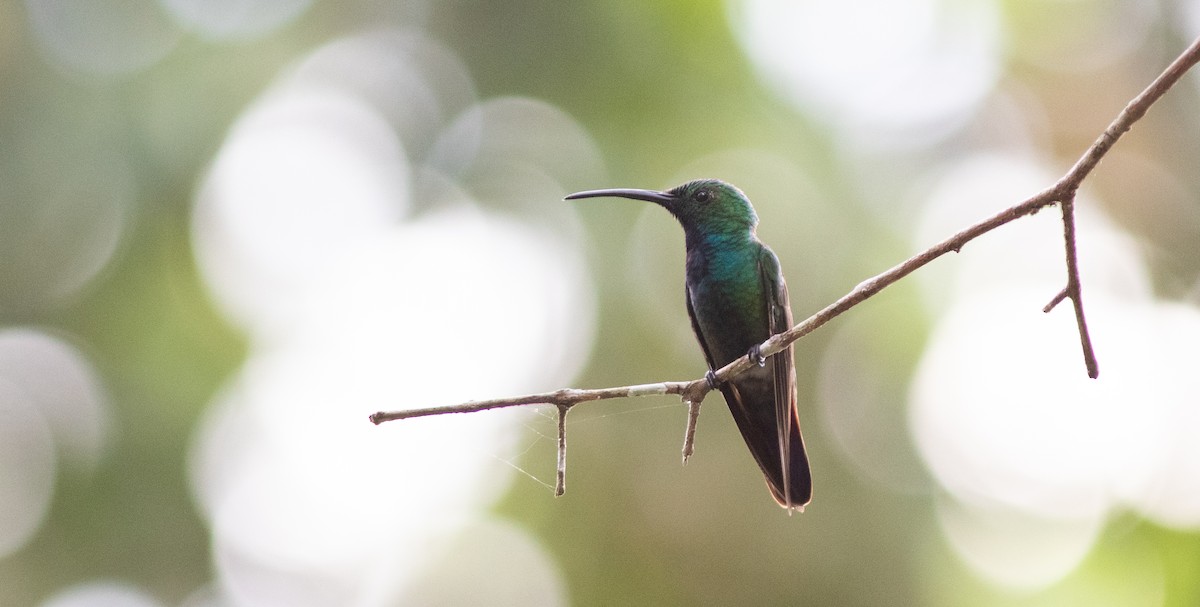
704 205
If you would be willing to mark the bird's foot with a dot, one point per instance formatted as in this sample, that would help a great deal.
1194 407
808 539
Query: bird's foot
711 378
756 357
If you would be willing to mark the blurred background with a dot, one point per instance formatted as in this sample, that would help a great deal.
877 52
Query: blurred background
231 230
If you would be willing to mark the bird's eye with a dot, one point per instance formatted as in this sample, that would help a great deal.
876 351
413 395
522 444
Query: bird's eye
703 196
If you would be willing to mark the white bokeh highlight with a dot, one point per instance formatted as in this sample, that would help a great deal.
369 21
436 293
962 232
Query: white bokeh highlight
1035 455
102 593
359 295
982 184
322 169
878 70
102 37
114 38
235 19
504 568
1013 548
54 412
27 468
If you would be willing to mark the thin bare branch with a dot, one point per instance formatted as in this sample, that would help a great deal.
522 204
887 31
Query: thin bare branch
693 392
1131 114
568 396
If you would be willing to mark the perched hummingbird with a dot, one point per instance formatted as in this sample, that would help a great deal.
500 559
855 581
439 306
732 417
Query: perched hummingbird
736 298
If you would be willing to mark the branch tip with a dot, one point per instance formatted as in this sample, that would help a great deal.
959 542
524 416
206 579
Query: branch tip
560 473
1074 289
1057 300
689 434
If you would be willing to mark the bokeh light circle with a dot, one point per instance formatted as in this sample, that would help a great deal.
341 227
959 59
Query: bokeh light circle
102 37
1034 455
305 172
27 468
357 300
878 70
53 406
235 19
106 593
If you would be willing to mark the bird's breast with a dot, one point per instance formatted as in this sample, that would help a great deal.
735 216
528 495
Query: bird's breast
729 306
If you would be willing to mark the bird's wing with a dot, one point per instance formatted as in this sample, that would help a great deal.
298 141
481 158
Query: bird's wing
797 485
737 405
708 357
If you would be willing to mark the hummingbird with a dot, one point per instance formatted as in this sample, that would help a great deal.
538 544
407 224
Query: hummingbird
736 298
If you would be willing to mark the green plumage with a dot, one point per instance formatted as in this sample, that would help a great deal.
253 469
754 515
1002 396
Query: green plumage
736 298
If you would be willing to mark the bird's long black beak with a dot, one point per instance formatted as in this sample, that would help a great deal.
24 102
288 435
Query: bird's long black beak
662 198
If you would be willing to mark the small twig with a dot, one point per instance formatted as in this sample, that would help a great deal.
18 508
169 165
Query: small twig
1073 288
693 392
1057 300
689 433
560 476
